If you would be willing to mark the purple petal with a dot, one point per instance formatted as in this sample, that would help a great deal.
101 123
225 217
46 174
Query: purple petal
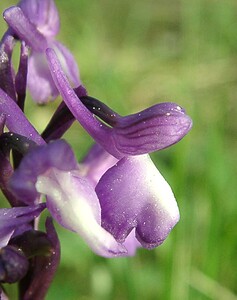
24 29
3 296
100 132
96 163
6 71
131 244
2 122
133 194
73 203
39 80
16 120
154 128
57 154
6 172
21 76
12 218
68 63
43 14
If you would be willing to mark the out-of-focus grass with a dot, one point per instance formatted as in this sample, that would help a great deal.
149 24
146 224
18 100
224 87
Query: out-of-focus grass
133 54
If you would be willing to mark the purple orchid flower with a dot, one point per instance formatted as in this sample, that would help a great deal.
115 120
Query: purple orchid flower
125 198
153 129
128 190
36 22
52 170
115 199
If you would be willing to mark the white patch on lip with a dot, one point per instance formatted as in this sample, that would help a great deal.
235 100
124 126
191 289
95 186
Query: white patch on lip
73 202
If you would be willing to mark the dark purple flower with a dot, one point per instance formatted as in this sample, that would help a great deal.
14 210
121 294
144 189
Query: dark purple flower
13 264
37 23
153 129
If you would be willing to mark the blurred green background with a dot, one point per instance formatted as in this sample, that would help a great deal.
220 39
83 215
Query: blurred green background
133 54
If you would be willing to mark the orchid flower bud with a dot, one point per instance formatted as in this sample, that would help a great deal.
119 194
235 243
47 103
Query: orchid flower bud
13 264
12 218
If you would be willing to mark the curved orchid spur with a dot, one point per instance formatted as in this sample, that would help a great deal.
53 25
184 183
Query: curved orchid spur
37 24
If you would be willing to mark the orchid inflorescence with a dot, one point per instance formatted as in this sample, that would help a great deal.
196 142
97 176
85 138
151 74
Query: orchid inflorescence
115 198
